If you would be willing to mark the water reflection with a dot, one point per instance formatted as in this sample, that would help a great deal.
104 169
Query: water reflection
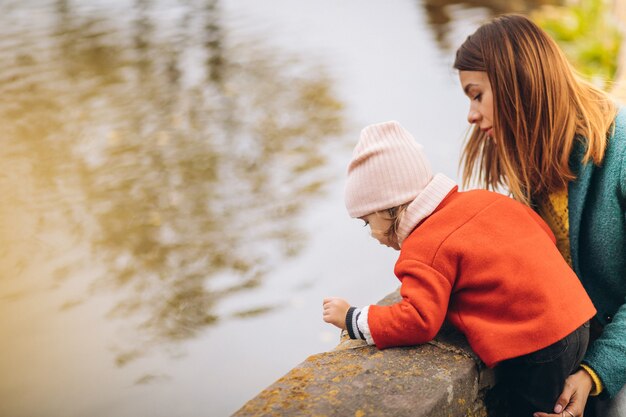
155 154
442 14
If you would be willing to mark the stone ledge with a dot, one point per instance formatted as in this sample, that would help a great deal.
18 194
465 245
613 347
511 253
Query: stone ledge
440 378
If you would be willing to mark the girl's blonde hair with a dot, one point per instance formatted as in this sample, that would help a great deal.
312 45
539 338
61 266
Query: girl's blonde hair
541 107
395 215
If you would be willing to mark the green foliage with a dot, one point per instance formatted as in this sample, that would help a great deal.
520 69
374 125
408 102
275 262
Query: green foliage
587 33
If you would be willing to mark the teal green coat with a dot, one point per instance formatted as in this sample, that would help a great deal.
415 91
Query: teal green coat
597 227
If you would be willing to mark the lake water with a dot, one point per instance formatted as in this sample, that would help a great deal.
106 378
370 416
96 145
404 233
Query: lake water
172 175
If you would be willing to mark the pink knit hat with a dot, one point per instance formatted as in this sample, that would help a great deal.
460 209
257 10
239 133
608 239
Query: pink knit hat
388 168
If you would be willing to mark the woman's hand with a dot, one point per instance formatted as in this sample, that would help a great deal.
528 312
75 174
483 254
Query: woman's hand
335 310
574 396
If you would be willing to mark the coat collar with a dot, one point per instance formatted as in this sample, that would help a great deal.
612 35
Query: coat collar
578 189
576 195
424 204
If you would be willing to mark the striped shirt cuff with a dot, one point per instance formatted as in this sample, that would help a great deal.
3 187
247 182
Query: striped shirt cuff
364 326
352 316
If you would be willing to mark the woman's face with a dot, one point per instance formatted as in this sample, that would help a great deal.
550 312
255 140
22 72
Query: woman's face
478 88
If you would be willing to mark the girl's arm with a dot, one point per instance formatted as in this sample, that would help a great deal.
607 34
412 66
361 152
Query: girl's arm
418 317
414 320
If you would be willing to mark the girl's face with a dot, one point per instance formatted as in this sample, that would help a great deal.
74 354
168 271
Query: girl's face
379 223
478 88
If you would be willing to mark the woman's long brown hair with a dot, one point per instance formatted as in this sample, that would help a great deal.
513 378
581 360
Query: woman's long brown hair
541 107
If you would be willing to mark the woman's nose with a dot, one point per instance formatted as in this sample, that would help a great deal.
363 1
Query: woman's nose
473 116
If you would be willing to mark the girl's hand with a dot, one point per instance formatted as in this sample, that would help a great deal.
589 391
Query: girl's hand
335 310
574 396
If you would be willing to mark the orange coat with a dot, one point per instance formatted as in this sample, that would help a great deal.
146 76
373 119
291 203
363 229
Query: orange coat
491 267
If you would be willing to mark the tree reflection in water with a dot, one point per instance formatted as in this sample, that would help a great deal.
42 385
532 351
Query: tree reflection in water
442 14
172 151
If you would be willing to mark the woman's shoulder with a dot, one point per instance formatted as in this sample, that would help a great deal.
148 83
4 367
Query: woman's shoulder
616 148
618 135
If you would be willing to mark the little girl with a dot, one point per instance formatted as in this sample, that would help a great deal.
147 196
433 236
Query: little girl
479 259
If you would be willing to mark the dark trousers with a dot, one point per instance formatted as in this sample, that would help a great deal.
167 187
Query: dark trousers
533 382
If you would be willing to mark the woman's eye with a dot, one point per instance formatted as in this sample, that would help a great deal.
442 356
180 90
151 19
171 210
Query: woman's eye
477 97
365 223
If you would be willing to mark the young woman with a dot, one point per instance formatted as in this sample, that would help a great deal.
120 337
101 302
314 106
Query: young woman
558 144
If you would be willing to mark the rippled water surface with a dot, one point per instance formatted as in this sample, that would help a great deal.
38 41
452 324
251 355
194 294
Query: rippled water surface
171 187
